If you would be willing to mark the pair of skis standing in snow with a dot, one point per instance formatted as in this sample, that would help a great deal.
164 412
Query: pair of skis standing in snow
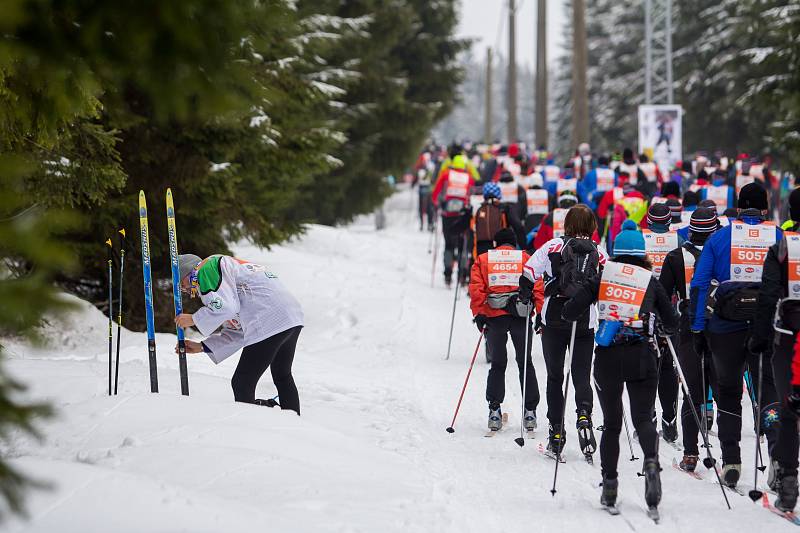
244 307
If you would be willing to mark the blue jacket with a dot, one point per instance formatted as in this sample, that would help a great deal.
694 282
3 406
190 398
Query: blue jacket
715 264
587 188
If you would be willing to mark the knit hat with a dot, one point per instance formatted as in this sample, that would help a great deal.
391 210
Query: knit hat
707 203
671 188
794 205
505 236
630 241
567 200
491 190
675 208
753 196
704 220
659 214
690 198
731 213
187 263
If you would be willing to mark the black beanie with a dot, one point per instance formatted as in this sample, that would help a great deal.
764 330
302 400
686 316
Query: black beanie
753 196
690 198
794 205
707 203
671 188
505 236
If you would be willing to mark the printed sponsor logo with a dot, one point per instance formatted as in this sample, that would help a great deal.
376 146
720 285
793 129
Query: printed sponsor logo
753 233
737 270
749 270
215 303
627 270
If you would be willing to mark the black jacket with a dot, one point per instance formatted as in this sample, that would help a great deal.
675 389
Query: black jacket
673 279
774 283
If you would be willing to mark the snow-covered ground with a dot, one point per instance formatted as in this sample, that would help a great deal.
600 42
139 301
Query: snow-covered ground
370 452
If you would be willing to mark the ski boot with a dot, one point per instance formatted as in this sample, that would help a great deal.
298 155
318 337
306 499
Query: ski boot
786 487
495 418
772 476
586 438
688 463
608 497
652 486
731 473
556 440
669 430
529 421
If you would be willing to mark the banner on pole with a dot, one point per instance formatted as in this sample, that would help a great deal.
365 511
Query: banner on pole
661 134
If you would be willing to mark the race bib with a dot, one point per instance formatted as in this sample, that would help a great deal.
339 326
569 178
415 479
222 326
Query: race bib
509 191
723 221
658 200
649 171
605 179
749 246
505 268
558 222
619 193
475 201
622 290
537 201
570 185
688 270
793 257
742 180
657 246
757 171
457 184
719 194
686 218
552 173
633 172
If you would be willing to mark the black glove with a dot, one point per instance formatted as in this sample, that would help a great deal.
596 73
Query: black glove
480 321
793 400
537 324
758 345
700 342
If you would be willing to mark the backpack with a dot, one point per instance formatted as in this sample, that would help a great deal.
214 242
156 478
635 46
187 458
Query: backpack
489 219
578 263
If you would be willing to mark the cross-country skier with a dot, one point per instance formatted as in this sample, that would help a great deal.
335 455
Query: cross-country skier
493 286
254 311
734 258
780 290
628 296
452 192
550 262
676 275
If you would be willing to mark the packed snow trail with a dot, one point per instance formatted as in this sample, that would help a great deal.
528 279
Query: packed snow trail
370 452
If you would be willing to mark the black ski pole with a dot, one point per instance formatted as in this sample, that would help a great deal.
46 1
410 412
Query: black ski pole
564 406
119 316
628 432
756 404
450 428
455 300
709 461
435 251
110 311
525 354
756 494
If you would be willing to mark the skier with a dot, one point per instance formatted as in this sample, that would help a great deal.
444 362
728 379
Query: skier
660 241
453 187
554 262
513 195
493 287
538 205
734 258
675 277
265 320
491 217
622 354
652 176
780 290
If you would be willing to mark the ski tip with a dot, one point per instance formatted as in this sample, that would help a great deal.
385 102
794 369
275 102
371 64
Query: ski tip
450 429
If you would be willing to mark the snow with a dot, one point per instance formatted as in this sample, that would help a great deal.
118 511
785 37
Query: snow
370 452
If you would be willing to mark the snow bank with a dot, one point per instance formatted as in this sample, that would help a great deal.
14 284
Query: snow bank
369 453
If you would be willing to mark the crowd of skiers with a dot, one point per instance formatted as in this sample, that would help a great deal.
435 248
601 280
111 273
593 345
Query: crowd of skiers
666 282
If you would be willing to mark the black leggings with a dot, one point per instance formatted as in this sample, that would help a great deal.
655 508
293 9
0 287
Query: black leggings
730 355
277 353
693 371
555 342
785 450
667 383
497 331
613 371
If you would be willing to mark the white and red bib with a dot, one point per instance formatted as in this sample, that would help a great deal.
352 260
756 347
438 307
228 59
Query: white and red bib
622 290
657 246
505 267
749 245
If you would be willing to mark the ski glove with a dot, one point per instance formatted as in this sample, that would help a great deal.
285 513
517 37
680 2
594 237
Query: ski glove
480 321
700 342
793 400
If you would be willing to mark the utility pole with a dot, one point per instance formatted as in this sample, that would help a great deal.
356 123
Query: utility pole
512 73
580 96
541 73
487 119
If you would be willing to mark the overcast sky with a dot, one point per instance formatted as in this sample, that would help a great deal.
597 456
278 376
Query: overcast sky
481 19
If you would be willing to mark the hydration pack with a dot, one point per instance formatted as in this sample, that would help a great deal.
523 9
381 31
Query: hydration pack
577 263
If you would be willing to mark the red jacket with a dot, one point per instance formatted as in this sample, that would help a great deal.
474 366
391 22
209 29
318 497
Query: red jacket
442 182
479 288
545 232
